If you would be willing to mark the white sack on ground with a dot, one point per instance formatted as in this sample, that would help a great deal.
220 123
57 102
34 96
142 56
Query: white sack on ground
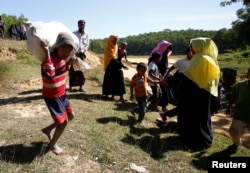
140 169
37 31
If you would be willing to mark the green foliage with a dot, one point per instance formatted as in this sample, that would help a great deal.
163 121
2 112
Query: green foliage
143 44
235 60
230 2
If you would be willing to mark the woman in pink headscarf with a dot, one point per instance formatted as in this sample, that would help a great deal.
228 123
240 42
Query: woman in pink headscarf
165 48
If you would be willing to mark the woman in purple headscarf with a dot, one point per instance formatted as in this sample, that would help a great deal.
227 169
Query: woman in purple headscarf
165 48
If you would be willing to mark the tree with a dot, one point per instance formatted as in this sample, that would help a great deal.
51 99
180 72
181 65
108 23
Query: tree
242 25
225 3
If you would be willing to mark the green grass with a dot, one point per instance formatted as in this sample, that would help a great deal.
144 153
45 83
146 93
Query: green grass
103 135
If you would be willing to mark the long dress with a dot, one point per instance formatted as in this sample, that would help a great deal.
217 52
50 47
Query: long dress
113 82
194 114
162 66
76 78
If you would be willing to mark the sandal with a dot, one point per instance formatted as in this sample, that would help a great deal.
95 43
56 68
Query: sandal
162 118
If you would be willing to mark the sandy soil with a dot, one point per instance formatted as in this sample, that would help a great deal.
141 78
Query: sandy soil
132 65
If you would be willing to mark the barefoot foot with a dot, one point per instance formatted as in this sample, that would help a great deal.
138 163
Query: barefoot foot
57 150
46 132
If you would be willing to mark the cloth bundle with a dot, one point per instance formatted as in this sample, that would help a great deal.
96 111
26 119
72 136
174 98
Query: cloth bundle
37 31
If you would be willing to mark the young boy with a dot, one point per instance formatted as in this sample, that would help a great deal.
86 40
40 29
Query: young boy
240 96
122 52
53 70
138 84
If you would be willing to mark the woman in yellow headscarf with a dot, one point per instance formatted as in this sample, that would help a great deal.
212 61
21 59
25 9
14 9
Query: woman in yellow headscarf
197 90
113 81
203 68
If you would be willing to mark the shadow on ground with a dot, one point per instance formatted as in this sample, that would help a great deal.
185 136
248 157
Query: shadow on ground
21 154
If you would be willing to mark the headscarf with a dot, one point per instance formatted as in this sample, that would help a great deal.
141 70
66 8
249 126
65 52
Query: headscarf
62 39
161 47
203 68
110 51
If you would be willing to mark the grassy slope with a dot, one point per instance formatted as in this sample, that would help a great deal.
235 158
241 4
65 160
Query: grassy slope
102 137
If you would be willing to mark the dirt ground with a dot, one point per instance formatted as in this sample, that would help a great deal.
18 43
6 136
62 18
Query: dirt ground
220 121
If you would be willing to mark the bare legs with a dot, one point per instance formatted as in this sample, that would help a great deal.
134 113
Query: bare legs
47 130
59 128
122 99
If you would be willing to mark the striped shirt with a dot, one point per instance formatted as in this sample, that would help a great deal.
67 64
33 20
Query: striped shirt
139 84
53 77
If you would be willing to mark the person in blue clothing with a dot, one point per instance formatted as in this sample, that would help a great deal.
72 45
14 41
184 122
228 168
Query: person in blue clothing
154 73
165 49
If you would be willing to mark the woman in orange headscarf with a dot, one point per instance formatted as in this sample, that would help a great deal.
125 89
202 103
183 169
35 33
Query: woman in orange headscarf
113 82
110 51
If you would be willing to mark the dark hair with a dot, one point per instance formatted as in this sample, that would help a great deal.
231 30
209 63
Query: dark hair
153 56
156 55
81 21
188 49
141 65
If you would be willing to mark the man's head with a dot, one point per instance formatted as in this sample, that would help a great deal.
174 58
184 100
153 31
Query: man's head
81 25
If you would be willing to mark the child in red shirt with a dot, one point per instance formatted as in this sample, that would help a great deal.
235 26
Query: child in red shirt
53 70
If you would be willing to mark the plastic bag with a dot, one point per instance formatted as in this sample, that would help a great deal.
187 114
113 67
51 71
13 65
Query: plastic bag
79 64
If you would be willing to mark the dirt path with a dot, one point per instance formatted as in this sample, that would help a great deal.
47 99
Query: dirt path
221 124
220 121
132 65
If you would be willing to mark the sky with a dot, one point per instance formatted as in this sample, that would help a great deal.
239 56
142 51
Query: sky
127 17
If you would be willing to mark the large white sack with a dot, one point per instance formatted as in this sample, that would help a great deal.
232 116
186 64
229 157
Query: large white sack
44 30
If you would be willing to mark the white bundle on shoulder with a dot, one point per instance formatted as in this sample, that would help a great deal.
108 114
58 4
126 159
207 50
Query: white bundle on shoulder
37 31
